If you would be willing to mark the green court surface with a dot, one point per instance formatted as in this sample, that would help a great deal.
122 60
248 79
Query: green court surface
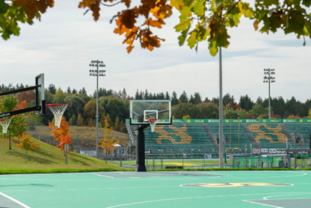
157 189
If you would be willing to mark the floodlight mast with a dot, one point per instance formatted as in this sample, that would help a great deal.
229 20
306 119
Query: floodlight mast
97 73
221 148
269 79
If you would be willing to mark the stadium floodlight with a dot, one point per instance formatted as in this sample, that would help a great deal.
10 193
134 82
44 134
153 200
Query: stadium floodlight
97 73
269 79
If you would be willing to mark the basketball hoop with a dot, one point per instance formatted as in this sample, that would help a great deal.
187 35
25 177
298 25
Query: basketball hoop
58 111
5 123
152 122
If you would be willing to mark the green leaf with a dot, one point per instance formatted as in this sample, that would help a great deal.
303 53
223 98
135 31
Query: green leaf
213 49
183 25
183 36
192 40
306 2
178 4
268 3
198 8
3 7
185 13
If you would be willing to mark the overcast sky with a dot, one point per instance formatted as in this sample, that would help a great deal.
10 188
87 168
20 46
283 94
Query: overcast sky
62 45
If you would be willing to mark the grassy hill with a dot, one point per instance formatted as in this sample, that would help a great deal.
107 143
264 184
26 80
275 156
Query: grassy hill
46 158
87 135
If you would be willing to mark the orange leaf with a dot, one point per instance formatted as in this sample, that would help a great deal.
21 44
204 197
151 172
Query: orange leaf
256 25
127 2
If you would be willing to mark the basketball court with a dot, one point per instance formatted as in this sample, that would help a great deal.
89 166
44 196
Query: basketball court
158 189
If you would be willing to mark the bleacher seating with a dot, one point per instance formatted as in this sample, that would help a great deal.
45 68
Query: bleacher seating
268 135
303 130
189 138
178 138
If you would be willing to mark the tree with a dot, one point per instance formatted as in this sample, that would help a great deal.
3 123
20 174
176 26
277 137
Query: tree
259 101
174 100
74 91
246 103
83 91
191 100
73 120
258 110
26 144
68 90
242 114
89 110
17 126
197 98
309 113
293 117
52 89
167 96
61 134
108 144
183 97
117 124
186 117
80 120
229 113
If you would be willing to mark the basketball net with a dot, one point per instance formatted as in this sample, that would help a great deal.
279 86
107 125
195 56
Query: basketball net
152 122
58 111
5 123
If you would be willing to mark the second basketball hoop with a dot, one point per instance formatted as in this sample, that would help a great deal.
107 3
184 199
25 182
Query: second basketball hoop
58 111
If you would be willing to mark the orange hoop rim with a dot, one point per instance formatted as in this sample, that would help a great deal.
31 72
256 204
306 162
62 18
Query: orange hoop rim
5 119
54 105
152 120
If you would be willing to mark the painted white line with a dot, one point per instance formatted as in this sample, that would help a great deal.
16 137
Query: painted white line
196 197
261 204
14 200
93 189
101 175
266 198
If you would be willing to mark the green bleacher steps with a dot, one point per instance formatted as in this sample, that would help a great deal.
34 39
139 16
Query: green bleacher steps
178 139
188 138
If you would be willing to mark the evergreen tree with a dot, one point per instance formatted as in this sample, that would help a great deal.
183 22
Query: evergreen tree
52 89
246 103
124 94
68 90
167 96
191 100
174 100
207 100
197 98
259 101
146 95
74 91
183 97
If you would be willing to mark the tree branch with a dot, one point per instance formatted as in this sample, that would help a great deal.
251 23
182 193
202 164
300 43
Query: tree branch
111 4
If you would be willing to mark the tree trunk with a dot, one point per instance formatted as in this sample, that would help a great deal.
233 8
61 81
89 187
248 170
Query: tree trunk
10 148
26 155
106 157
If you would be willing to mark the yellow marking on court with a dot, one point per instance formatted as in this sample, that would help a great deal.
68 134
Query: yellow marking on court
179 164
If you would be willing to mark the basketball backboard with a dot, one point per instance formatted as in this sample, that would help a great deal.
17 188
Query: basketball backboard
142 110
40 94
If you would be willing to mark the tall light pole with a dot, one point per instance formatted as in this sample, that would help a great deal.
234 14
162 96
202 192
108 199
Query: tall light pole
221 148
269 79
97 73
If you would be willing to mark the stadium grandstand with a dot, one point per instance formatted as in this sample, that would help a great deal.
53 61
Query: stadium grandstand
193 136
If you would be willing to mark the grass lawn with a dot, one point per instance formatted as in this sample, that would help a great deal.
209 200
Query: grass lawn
85 132
46 158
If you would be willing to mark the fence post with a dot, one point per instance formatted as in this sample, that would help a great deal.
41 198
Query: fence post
153 163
